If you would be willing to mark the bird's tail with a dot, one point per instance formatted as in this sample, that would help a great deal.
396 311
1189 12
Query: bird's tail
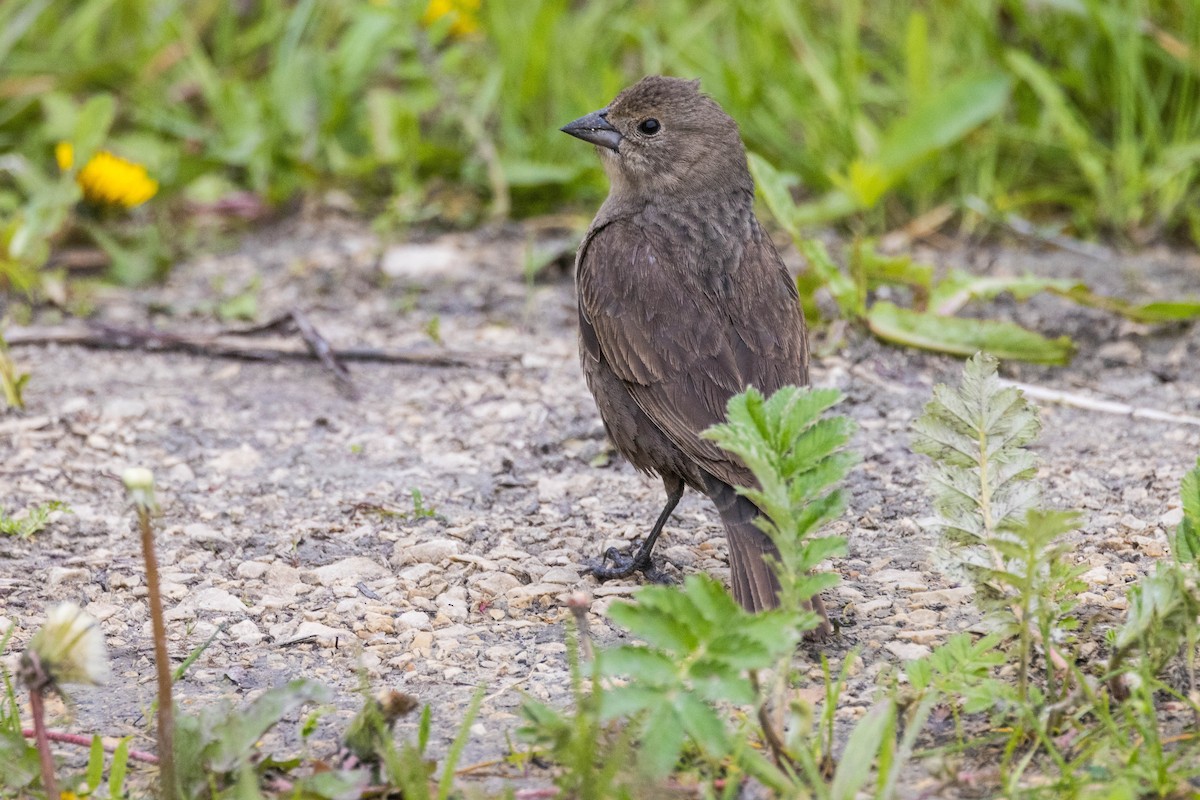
754 583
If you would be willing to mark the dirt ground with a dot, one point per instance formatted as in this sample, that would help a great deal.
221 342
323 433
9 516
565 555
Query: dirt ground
271 479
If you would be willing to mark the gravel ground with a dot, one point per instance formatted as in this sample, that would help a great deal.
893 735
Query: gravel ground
271 480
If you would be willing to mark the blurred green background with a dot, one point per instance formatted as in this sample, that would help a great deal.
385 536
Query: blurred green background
1083 115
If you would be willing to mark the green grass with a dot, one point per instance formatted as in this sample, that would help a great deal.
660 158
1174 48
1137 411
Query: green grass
1092 119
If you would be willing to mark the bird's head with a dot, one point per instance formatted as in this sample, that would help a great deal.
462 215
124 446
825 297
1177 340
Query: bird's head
665 135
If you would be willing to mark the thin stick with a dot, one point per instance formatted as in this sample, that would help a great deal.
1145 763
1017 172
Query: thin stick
319 346
112 337
166 706
1104 406
86 741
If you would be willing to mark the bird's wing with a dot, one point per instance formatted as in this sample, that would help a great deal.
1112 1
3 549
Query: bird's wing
683 344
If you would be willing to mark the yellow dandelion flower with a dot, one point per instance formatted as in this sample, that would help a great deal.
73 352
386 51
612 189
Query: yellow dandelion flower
464 13
64 154
107 178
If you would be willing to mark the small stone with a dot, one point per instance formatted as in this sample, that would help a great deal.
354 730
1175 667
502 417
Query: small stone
282 575
378 623
496 583
907 580
871 606
680 556
941 597
1097 576
435 551
246 633
422 643
238 461
180 474
252 570
123 408
451 605
349 571
98 609
56 576
206 536
522 596
324 635
423 263
1120 353
561 575
907 651
929 636
214 599
1171 518
413 620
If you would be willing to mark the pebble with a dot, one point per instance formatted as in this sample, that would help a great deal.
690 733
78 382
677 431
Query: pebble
941 597
57 576
245 633
206 536
238 461
349 571
496 583
325 635
214 599
522 596
907 651
414 620
435 551
252 570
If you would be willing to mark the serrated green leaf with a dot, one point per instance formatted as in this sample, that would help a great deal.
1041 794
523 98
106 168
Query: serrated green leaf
651 624
703 726
661 741
627 701
964 337
648 666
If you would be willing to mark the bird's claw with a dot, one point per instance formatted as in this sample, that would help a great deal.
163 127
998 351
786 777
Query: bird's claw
625 565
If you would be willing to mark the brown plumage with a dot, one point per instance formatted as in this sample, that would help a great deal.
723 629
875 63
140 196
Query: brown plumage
683 302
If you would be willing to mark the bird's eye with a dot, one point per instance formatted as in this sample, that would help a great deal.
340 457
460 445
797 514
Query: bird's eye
649 126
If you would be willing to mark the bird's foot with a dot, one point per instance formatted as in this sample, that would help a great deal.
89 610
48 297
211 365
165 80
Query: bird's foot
624 565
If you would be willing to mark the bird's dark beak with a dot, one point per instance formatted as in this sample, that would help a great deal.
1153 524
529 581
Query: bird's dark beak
595 128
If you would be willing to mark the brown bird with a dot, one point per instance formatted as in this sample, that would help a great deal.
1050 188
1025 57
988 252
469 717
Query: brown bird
683 302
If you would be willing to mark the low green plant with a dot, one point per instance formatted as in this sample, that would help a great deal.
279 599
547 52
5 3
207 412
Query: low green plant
699 653
1054 714
12 378
987 509
32 521
930 320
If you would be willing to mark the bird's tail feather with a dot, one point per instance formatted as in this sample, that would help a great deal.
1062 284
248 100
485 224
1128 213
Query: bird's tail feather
755 585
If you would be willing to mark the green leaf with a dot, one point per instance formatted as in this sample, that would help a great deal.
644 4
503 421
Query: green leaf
235 733
703 726
942 119
661 741
1185 547
964 337
95 764
648 666
120 764
655 626
92 126
862 749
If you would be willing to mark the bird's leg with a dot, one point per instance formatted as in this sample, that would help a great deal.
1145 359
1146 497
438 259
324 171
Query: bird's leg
625 565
